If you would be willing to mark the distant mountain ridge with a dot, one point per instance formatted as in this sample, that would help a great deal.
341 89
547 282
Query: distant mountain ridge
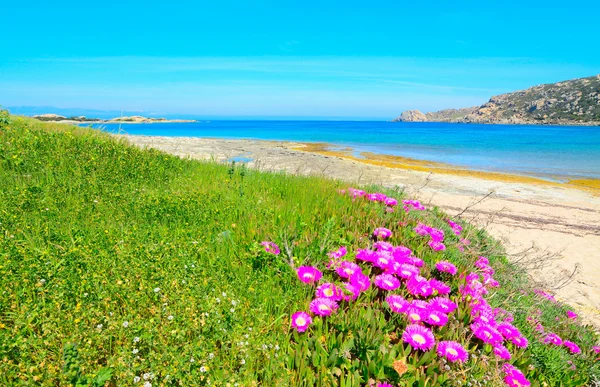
573 102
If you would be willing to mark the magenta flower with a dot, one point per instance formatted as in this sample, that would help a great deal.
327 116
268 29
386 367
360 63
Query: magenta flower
418 262
323 306
352 293
436 246
437 318
387 282
444 305
446 267
574 348
309 274
501 351
407 271
382 232
412 205
552 338
572 315
514 377
390 202
339 253
329 290
487 334
452 351
596 348
301 321
419 286
360 280
356 193
401 254
271 247
417 311
508 330
436 235
439 287
422 229
519 341
384 385
383 260
418 337
365 255
376 197
346 269
397 303
456 228
383 246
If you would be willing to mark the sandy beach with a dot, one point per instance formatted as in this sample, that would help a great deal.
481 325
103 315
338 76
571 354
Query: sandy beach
552 229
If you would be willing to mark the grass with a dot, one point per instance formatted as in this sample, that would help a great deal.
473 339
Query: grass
118 263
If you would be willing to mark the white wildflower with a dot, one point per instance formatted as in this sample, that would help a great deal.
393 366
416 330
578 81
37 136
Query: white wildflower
170 318
135 351
147 384
211 355
125 324
136 339
136 379
243 362
156 290
202 369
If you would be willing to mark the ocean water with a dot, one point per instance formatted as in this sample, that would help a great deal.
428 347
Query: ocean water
553 152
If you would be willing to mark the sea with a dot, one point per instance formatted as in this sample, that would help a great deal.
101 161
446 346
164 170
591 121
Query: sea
557 153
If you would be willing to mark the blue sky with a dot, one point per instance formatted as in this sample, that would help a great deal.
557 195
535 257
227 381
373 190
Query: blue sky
332 58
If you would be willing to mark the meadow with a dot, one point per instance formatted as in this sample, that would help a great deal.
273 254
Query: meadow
122 266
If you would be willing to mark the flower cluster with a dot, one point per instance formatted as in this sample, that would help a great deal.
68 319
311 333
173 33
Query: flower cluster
436 235
413 205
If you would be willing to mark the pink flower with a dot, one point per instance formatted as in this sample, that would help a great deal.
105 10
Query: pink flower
508 330
422 229
383 246
440 287
390 202
382 232
384 385
436 235
596 348
418 337
412 205
387 282
501 351
271 247
487 334
397 303
572 315
323 306
346 269
407 271
339 253
376 197
574 348
514 377
446 267
436 246
552 338
353 292
365 255
301 321
436 318
419 286
456 228
452 351
356 193
519 341
383 259
309 274
329 290
444 305
360 280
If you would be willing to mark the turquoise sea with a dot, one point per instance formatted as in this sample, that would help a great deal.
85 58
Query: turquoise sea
553 152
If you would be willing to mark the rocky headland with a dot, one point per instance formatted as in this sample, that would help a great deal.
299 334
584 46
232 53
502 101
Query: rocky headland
574 102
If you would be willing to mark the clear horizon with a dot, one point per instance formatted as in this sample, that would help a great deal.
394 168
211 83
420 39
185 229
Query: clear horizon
266 60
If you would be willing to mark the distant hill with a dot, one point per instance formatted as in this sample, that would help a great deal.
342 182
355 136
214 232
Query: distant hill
574 102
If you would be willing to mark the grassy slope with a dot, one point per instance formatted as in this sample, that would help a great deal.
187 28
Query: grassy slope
90 228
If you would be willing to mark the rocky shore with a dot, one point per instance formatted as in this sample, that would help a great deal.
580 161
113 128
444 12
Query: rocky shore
574 102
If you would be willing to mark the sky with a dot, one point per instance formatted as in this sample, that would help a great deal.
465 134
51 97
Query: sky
301 59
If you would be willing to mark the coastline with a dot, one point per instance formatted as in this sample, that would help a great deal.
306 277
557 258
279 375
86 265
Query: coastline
555 227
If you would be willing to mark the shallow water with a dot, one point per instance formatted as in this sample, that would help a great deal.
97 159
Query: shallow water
559 152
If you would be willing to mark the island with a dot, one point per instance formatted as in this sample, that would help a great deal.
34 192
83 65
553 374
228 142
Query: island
126 119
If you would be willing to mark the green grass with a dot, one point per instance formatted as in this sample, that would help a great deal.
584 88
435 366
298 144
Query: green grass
95 233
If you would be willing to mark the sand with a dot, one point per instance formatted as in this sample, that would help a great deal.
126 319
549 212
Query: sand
553 230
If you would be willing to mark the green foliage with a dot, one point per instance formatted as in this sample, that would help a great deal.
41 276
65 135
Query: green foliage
4 118
148 266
